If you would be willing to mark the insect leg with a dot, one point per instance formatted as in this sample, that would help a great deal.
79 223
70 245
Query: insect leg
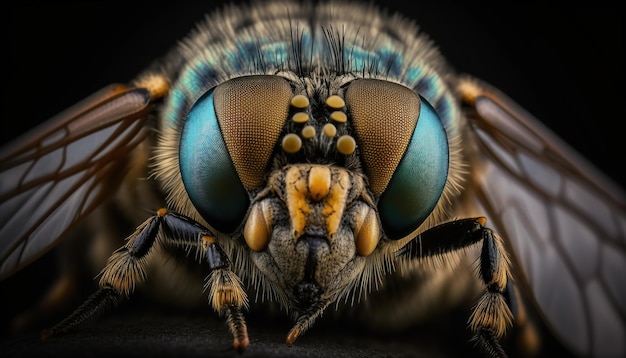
491 316
124 269
127 267
225 289
306 320
95 304
227 295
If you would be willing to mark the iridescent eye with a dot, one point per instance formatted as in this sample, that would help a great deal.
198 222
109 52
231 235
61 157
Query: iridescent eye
404 149
226 144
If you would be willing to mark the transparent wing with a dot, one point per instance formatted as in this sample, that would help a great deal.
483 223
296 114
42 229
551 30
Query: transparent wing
564 222
56 174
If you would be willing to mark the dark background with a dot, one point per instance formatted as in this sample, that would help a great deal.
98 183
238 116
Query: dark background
563 64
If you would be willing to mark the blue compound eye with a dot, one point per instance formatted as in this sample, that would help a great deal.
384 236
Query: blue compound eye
404 149
226 144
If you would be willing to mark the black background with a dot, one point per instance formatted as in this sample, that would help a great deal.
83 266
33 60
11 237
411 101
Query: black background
562 63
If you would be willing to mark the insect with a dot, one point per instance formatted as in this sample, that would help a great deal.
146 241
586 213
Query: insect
373 71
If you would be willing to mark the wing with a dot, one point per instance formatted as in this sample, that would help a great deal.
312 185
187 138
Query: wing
58 173
564 222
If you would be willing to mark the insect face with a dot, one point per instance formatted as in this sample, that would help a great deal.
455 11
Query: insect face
312 222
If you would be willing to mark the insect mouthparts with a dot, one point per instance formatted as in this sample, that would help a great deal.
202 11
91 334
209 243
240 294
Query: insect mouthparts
308 291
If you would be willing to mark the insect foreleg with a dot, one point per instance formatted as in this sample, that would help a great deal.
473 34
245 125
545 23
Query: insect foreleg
227 295
225 290
96 303
127 267
124 269
491 316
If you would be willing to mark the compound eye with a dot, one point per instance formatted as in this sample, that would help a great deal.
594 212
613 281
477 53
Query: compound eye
404 149
226 144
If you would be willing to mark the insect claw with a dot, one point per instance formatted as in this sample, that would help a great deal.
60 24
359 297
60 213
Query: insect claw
238 328
293 335
306 320
240 345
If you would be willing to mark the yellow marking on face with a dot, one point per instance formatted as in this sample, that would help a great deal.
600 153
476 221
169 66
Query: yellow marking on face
367 232
296 190
319 182
335 202
257 230
317 189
